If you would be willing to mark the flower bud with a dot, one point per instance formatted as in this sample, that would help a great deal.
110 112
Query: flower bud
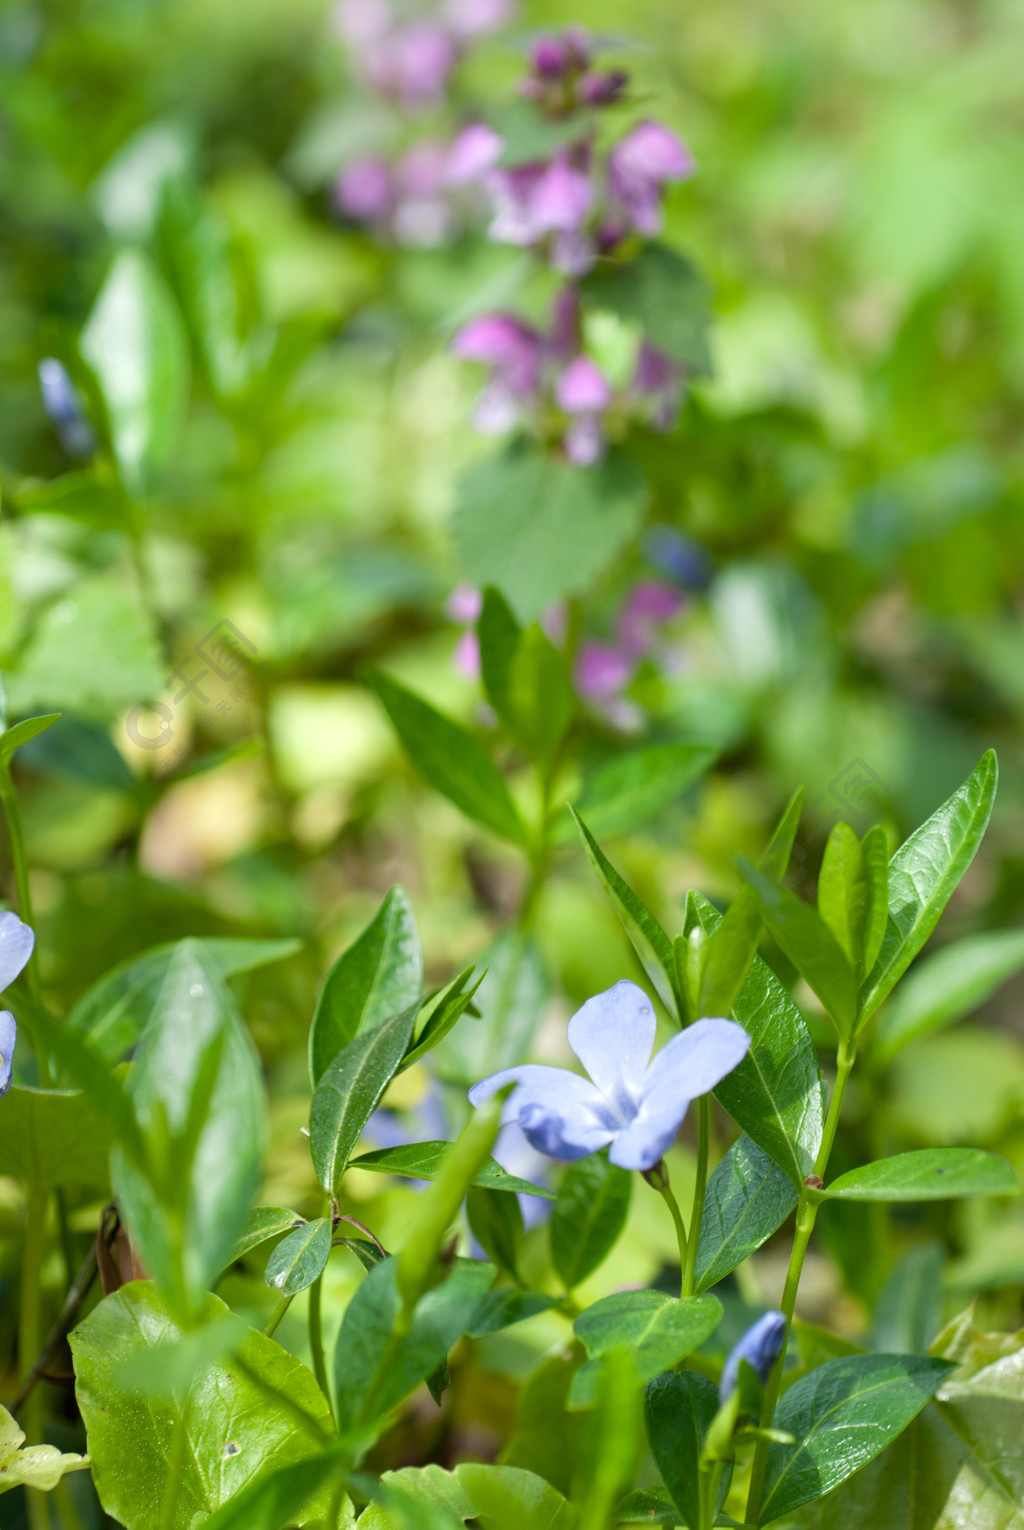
760 1347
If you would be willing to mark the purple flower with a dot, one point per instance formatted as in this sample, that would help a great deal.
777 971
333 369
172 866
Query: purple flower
583 388
639 167
476 150
551 57
464 604
648 605
64 408
363 190
658 383
532 202
760 1347
602 87
476 18
630 1103
16 942
602 670
513 350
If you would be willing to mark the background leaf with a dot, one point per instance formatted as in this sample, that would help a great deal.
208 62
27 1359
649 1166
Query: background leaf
665 294
678 1409
54 1137
626 792
933 1174
947 985
589 1214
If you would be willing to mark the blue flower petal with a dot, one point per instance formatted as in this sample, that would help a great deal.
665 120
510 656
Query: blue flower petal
760 1347
648 1138
692 1063
612 1035
8 1036
562 1114
16 942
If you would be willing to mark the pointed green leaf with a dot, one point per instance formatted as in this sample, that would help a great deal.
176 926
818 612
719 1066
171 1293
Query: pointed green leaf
646 935
678 1409
840 1416
589 1214
422 1160
946 986
541 698
748 1198
626 792
498 634
924 873
450 758
135 343
443 1013
379 974
775 1094
496 1223
350 1090
853 893
262 1224
501 1309
13 738
300 1258
648 1506
933 1174
657 1330
810 946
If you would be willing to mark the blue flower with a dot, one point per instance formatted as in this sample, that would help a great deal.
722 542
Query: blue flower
760 1347
16 942
633 1104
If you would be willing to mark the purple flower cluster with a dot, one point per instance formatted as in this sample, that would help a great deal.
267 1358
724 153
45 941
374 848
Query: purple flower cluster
545 382
604 670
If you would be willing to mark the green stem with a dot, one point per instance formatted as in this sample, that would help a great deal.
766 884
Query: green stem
175 1461
662 1186
710 1483
699 1190
316 1338
807 1211
30 1338
277 1314
19 859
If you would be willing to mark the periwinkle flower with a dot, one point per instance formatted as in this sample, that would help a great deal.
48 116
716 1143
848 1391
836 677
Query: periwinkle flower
629 1103
64 407
760 1347
16 942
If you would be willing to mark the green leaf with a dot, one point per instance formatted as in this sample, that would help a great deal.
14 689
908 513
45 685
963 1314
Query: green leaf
840 1416
496 1223
450 758
540 529
775 1094
443 1012
494 1497
13 738
54 1137
135 343
78 750
365 1392
656 1330
946 986
747 1199
853 893
678 1410
589 1214
924 873
810 946
528 134
908 1313
646 935
350 1090
511 1000
623 793
197 1092
648 1506
498 634
422 1160
933 1174
665 294
379 974
281 1498
38 1466
541 699
262 1224
235 1422
300 1258
116 1009
500 1309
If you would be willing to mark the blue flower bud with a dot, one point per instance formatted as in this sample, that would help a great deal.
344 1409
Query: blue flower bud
8 1036
760 1347
64 407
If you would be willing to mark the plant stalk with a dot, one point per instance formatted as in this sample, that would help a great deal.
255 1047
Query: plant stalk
699 1191
658 1179
316 1338
30 1337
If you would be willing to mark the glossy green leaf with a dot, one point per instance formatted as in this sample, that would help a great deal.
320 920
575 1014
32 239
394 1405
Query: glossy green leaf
13 738
775 1094
135 343
648 1506
440 1319
262 1224
350 1090
747 1199
496 1222
944 987
499 635
841 1415
588 1216
422 1160
54 1137
810 946
296 1494
300 1258
450 758
628 791
197 1091
535 527
115 1010
853 893
665 294
678 1409
501 1309
443 1012
924 873
646 935
232 1425
493 1497
657 1332
933 1174
379 974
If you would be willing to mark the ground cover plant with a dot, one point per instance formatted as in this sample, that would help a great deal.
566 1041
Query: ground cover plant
510 591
